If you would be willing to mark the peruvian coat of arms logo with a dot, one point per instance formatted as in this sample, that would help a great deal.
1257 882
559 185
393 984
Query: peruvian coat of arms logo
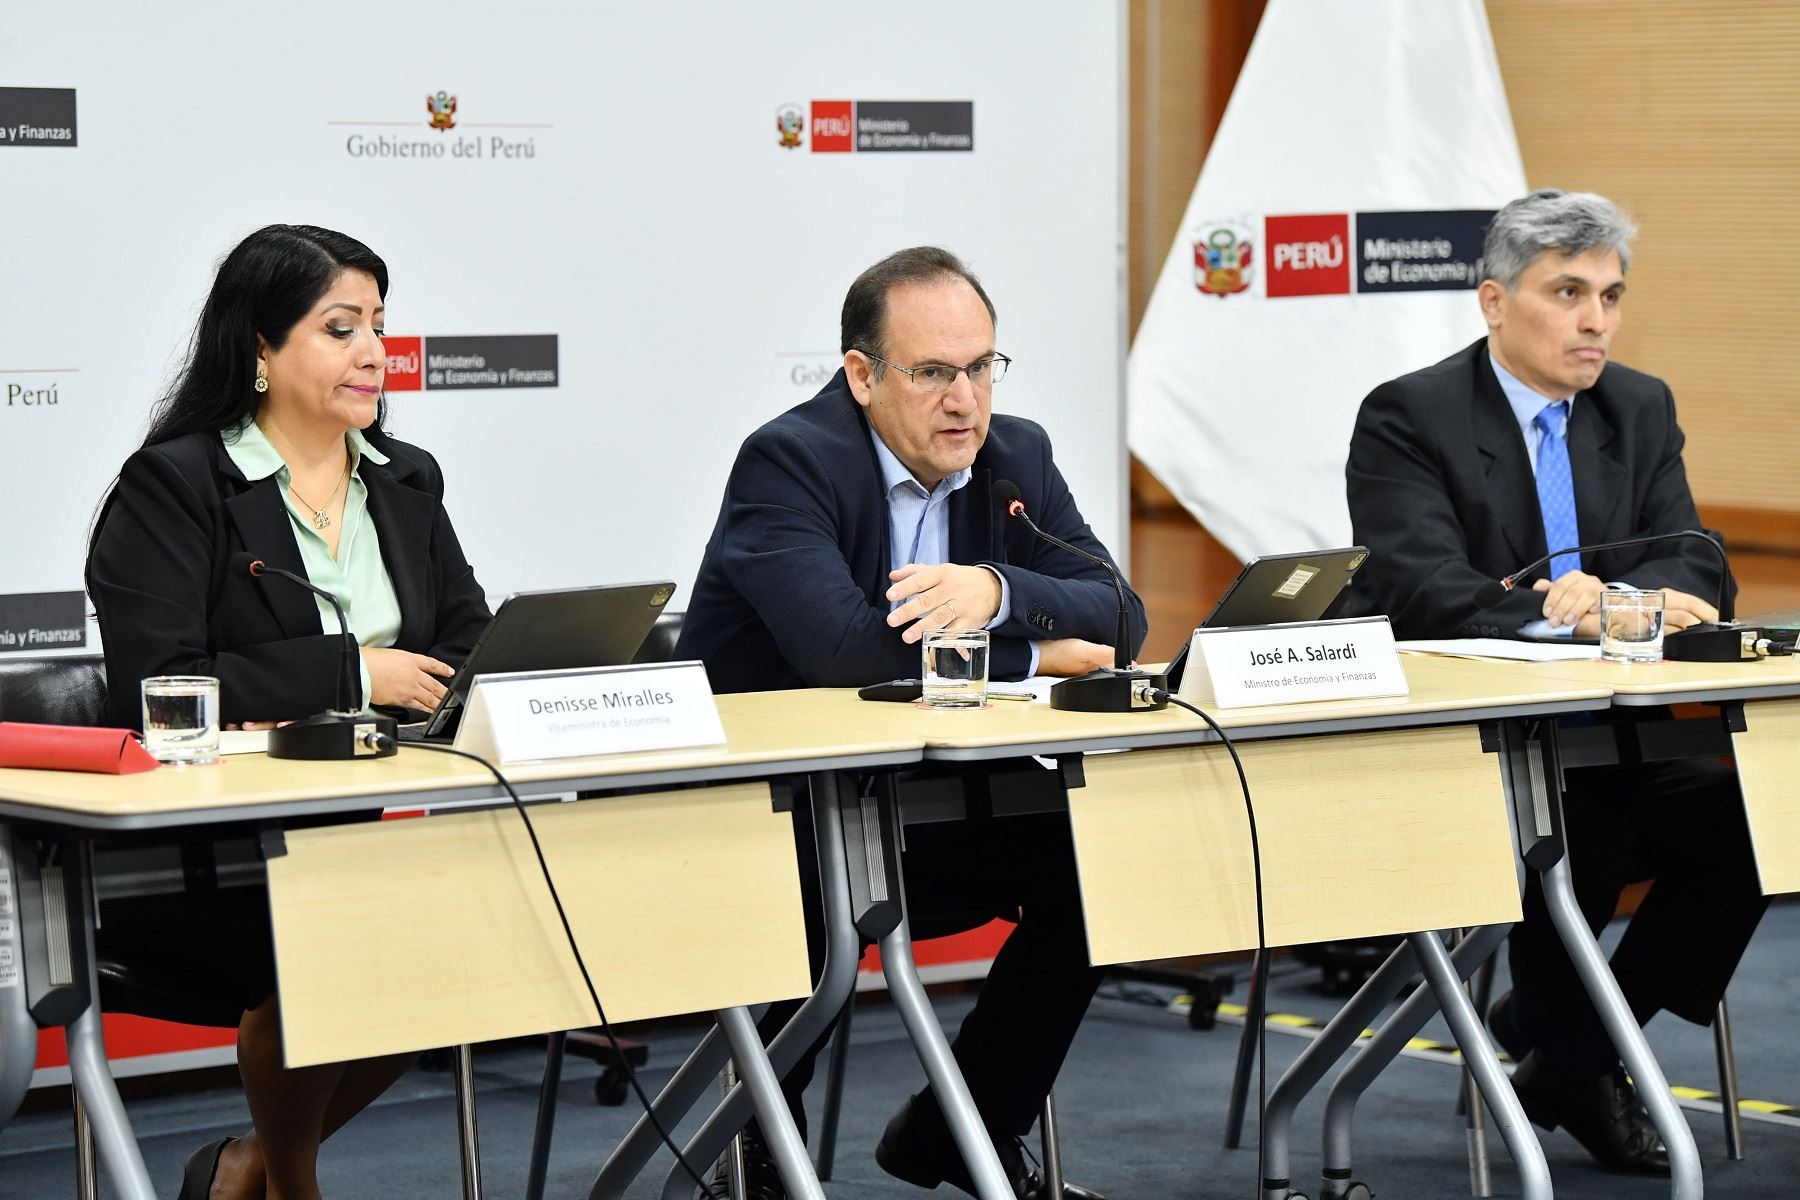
442 108
1223 258
790 123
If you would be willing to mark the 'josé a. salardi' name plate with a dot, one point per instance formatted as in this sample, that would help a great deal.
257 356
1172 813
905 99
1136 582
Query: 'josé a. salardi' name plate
1281 664
535 715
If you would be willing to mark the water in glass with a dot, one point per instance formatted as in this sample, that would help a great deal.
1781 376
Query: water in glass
1631 626
956 668
181 718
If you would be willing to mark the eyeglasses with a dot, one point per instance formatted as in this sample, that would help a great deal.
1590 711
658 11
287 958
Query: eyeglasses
934 379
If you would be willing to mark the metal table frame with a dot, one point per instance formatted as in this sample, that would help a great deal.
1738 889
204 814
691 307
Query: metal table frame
865 859
50 901
1532 773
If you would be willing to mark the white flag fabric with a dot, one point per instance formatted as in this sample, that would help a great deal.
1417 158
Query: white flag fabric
1332 242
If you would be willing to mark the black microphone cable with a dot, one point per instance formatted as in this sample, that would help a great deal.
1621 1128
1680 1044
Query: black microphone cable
1259 999
381 741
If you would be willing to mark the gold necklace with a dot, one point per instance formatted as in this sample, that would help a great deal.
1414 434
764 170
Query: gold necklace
321 519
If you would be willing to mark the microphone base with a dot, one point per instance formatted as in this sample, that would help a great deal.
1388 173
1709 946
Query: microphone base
1728 641
333 736
1109 690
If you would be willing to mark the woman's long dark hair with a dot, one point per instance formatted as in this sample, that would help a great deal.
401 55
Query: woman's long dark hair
265 286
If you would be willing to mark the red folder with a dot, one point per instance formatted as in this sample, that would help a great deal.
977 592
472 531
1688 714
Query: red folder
72 748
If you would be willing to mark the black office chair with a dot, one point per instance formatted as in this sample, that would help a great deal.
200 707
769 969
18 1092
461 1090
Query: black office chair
71 690
64 690
659 644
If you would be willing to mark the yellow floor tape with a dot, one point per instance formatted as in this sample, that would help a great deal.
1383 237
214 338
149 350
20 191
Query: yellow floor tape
1425 1048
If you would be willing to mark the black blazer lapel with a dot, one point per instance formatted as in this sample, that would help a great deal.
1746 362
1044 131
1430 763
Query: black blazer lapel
1600 477
404 517
1506 468
260 517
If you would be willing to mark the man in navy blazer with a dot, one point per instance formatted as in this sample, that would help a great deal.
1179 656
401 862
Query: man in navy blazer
799 585
1526 442
853 524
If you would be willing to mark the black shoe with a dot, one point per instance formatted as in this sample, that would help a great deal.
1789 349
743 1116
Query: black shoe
202 1166
762 1178
917 1146
1505 1029
1602 1112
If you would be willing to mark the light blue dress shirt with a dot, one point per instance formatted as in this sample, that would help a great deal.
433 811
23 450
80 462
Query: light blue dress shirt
1526 403
919 524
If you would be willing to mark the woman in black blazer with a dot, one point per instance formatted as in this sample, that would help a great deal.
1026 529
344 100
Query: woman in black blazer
270 443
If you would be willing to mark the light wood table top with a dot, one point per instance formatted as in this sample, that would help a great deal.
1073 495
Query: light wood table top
1634 684
767 733
1441 690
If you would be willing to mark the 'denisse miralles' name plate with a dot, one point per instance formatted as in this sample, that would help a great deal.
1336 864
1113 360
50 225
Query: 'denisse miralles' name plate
536 715
1281 664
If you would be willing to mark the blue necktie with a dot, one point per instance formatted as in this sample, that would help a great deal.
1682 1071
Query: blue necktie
1556 487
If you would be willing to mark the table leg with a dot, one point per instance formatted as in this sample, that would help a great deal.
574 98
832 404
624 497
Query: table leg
834 1090
1382 1049
837 978
118 1149
940 1065
778 1128
1338 1036
1051 1138
539 1166
684 1089
1622 1027
1446 983
1603 990
1249 1044
119 1152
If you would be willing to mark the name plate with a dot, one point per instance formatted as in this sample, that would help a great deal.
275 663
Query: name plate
536 715
1281 664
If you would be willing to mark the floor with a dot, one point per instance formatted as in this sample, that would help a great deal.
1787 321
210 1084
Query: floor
1142 1102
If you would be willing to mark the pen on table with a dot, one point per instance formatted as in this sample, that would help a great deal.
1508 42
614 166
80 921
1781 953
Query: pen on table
993 695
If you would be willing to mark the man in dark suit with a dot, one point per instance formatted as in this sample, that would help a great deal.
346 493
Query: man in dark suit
850 526
1458 474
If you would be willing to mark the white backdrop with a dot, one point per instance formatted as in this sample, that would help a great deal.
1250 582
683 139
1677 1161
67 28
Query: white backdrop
691 267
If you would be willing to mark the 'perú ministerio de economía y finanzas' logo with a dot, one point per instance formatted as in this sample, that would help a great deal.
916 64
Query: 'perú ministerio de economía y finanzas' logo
1339 254
445 132
845 126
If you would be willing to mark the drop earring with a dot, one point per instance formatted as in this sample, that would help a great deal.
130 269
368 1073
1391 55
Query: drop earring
262 378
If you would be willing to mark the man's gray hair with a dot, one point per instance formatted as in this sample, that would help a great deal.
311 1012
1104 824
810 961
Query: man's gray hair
1570 223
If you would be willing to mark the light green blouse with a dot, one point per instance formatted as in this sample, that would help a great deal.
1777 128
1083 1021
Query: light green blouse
357 576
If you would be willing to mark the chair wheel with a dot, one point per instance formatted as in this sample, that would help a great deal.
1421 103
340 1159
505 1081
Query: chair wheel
611 1088
1203 1013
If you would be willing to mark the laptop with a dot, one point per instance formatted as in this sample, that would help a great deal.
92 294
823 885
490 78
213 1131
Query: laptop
1280 589
560 629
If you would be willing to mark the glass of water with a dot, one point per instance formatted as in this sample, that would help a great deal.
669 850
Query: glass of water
956 668
1631 626
181 718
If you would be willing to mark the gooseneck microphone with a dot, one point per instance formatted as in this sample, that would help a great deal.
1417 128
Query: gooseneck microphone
342 731
1119 688
1006 495
1726 641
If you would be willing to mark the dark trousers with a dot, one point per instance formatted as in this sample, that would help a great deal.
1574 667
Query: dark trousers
1680 825
959 876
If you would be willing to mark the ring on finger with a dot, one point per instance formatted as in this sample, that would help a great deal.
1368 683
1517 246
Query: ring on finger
951 605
